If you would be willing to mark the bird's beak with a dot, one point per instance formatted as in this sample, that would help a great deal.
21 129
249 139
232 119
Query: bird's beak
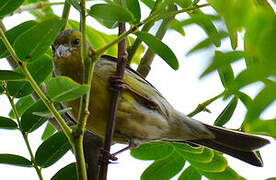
63 51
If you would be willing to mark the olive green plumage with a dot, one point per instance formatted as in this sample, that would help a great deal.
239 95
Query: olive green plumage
136 120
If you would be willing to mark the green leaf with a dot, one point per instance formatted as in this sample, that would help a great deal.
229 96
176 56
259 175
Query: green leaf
13 33
245 99
16 160
42 35
7 75
111 12
177 26
207 42
6 123
66 173
262 127
65 89
134 8
75 4
227 174
205 156
40 70
165 168
8 6
217 164
148 3
221 59
159 48
22 105
260 102
190 173
48 114
152 151
226 75
227 113
48 132
29 121
51 150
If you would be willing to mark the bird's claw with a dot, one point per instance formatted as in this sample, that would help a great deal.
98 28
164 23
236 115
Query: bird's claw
106 157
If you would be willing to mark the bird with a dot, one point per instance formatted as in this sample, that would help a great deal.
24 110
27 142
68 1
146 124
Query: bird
143 114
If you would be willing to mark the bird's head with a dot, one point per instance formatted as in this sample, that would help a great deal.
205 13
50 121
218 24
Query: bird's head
67 54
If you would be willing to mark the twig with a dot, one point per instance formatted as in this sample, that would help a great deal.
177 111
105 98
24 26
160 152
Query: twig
146 28
202 106
146 61
121 65
65 13
24 134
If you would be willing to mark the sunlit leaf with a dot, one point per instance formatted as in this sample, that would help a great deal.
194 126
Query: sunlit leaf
42 35
190 173
13 33
165 168
48 132
226 75
64 89
159 48
111 12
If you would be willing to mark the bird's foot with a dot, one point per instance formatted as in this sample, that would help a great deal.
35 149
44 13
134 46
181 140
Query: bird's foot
106 157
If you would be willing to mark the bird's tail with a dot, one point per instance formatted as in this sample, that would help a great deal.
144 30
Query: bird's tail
236 144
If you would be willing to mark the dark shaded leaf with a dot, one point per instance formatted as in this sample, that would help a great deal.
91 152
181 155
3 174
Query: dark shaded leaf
65 89
165 168
48 132
11 76
51 150
6 123
13 33
159 48
40 70
152 151
190 173
66 173
22 105
42 34
227 113
148 3
29 121
111 12
16 160
8 6
134 8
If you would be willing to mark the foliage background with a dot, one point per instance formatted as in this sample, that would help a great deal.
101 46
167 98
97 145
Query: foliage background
182 88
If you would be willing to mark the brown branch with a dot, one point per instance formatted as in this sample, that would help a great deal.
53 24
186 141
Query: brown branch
121 65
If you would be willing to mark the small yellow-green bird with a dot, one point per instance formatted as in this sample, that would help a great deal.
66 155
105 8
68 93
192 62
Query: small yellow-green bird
143 114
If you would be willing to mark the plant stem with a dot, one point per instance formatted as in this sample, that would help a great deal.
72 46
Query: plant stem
35 6
146 61
202 106
47 102
24 134
65 13
146 28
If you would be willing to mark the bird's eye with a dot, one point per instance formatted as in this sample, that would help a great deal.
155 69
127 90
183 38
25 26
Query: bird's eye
75 42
